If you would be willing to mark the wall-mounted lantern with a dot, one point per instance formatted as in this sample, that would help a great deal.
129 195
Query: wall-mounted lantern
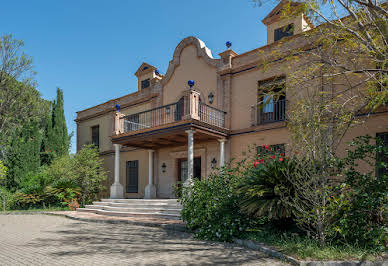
211 97
214 163
117 106
157 72
164 166
167 110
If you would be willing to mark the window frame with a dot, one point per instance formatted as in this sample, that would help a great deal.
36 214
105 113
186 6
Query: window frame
92 128
285 31
145 83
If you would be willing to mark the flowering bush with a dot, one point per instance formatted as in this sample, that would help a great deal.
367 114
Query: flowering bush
265 190
211 208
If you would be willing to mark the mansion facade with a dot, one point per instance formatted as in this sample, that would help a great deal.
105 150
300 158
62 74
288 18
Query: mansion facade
200 114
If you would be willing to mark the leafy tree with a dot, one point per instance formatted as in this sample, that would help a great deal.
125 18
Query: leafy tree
20 102
335 72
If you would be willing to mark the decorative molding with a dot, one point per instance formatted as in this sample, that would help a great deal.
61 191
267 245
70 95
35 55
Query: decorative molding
202 51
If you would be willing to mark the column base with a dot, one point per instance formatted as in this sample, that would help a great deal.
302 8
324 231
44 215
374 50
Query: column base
116 191
150 192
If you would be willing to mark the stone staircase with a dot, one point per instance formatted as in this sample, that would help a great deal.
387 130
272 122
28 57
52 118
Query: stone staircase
147 208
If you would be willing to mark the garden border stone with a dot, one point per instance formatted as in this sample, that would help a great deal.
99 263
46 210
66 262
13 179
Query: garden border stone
277 254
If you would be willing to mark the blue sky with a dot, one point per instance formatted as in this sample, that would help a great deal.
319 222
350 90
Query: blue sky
92 48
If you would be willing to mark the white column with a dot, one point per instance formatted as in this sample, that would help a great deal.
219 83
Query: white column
116 190
190 157
150 190
222 152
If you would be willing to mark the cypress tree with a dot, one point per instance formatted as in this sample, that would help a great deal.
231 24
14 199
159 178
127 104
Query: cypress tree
57 140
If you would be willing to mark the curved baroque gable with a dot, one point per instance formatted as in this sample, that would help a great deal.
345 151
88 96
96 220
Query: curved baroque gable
202 51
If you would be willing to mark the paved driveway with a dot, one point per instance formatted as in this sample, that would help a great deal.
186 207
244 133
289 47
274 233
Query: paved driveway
53 240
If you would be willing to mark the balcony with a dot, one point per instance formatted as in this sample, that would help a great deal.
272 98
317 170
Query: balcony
166 125
274 111
171 113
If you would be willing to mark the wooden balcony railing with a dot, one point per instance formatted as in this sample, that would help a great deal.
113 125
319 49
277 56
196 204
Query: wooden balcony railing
268 113
185 109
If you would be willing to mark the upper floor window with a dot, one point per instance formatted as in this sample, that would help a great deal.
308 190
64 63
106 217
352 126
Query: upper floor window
271 105
96 136
278 148
284 32
145 83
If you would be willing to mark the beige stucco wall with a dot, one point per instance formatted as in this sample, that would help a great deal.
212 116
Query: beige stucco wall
85 131
106 126
195 68
170 156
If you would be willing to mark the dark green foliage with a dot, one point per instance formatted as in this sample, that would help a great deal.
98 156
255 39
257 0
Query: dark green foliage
211 208
23 154
363 198
265 190
57 142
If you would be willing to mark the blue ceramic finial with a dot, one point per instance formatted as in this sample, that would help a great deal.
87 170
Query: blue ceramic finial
117 107
191 83
157 72
228 44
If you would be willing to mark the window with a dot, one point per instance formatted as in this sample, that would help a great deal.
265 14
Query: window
96 136
284 32
380 157
132 176
145 83
279 148
271 101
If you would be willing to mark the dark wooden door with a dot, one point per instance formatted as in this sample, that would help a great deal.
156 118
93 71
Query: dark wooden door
182 169
132 177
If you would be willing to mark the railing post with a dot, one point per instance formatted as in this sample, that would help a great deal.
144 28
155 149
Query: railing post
119 123
192 105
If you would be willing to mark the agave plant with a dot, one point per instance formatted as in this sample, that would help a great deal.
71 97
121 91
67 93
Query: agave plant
265 190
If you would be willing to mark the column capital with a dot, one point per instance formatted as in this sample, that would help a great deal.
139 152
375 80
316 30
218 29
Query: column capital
190 131
150 150
222 140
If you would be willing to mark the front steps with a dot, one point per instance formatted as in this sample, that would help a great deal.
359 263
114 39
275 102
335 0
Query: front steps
147 208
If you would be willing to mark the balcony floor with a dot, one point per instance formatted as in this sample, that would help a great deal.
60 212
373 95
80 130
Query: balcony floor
169 135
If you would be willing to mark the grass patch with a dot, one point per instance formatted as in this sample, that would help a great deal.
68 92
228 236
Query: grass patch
304 248
48 209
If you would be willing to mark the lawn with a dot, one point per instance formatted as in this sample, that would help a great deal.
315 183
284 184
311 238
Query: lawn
304 248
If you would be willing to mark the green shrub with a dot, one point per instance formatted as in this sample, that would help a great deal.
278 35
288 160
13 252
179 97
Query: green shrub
362 220
89 173
7 199
265 190
211 208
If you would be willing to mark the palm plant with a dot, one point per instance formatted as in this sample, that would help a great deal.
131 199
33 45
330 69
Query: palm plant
265 190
